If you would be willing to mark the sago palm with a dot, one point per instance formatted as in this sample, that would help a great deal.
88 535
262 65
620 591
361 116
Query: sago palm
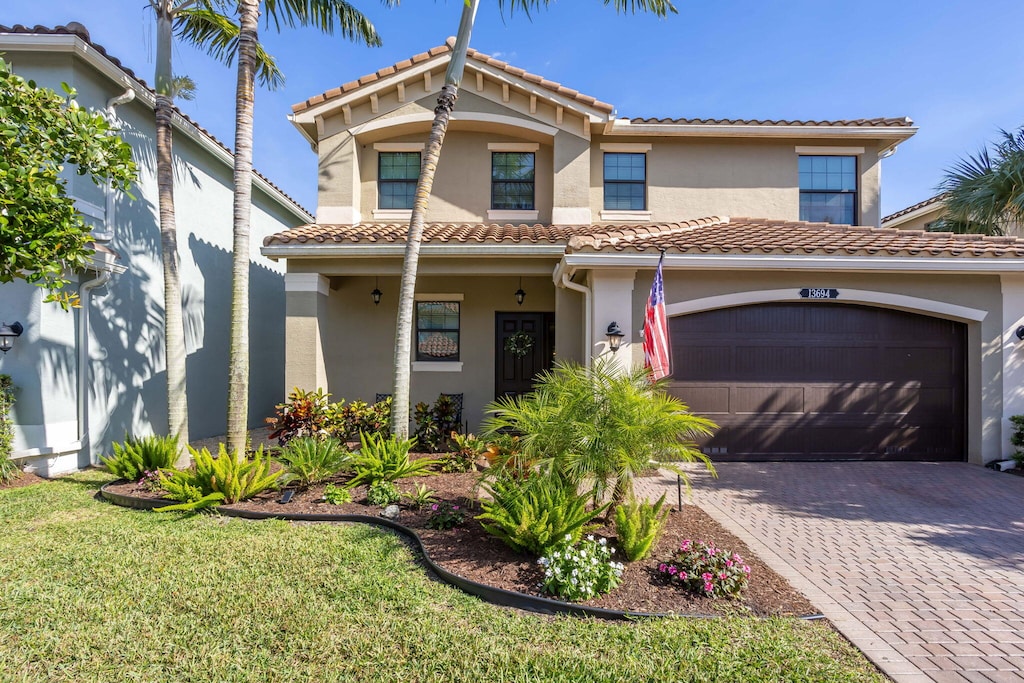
428 167
985 192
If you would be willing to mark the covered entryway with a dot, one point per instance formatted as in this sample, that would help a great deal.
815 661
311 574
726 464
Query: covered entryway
529 352
814 380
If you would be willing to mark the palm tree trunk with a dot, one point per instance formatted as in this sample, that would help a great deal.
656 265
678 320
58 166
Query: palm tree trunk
238 362
407 291
174 330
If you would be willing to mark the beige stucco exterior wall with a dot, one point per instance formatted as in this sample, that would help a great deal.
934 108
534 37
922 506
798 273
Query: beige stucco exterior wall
985 338
918 222
698 177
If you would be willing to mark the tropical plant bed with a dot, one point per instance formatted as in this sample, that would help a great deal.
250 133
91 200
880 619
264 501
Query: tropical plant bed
23 479
472 553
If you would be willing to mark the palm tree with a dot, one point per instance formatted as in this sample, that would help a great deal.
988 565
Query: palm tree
321 14
985 192
206 28
442 115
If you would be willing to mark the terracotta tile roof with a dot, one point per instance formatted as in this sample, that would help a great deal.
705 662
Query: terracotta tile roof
443 49
759 236
76 29
713 235
863 123
440 233
914 207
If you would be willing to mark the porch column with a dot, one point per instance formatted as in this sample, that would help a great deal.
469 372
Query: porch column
1013 358
305 310
612 301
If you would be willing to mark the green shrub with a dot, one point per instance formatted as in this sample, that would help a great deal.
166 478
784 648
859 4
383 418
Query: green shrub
638 526
222 478
9 471
706 570
536 513
445 515
311 461
385 458
1017 439
337 495
434 424
421 496
599 426
466 448
580 572
382 493
140 455
358 417
305 413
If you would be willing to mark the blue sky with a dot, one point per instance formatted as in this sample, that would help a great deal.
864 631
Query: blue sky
953 66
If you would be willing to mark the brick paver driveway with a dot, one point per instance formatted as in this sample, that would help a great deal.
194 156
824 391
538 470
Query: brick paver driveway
920 565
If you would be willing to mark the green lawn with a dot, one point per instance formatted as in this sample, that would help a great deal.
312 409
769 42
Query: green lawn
93 592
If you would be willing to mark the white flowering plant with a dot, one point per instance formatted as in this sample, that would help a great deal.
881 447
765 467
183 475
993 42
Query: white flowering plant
704 569
582 571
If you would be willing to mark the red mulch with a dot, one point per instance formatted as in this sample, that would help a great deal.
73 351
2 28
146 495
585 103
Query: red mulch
472 553
23 479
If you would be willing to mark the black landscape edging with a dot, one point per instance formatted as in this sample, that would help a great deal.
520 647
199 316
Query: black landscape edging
492 594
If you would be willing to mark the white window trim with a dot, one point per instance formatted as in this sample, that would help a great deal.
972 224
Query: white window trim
626 147
392 214
823 150
507 215
513 146
641 216
436 366
399 146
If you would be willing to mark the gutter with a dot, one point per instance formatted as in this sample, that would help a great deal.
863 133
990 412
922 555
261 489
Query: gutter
563 278
474 250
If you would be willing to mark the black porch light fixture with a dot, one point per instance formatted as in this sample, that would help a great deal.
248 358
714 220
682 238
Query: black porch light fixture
520 294
8 333
1020 332
376 293
615 335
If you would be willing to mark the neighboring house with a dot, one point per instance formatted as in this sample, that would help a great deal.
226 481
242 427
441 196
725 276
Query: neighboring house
88 377
802 339
925 215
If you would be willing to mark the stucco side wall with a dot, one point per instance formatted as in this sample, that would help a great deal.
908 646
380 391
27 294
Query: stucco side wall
918 222
697 177
979 292
359 337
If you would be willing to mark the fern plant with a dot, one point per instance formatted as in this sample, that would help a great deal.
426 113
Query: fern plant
386 458
537 513
638 526
224 478
311 461
140 455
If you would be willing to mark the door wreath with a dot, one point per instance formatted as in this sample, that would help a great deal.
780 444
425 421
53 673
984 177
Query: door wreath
519 344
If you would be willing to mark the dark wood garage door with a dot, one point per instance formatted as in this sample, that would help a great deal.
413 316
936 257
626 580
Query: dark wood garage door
823 381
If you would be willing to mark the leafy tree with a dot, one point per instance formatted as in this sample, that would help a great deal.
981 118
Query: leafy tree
431 155
42 236
985 192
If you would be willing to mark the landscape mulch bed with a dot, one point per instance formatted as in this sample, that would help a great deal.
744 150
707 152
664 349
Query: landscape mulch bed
471 552
23 479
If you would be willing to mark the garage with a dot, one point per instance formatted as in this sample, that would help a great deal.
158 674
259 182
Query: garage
823 381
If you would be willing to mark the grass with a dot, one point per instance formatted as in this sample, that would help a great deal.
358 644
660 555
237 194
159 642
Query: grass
90 591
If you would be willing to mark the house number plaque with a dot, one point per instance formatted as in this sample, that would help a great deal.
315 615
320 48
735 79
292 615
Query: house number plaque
819 293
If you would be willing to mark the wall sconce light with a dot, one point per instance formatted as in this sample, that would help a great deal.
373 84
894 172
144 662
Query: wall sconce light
1020 332
520 294
615 335
376 293
8 334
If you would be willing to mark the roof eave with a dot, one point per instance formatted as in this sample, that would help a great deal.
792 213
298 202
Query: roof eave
896 134
475 250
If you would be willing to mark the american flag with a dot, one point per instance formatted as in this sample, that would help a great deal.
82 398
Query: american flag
656 348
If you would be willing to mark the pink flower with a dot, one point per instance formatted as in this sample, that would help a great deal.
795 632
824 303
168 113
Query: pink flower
709 588
728 563
722 576
672 570
746 569
707 576
434 507
686 545
662 567
455 507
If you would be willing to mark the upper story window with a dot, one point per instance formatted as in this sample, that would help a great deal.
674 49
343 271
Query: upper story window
828 189
396 182
625 181
512 181
437 330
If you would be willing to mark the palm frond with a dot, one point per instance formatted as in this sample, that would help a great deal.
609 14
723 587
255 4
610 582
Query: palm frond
217 34
326 15
985 191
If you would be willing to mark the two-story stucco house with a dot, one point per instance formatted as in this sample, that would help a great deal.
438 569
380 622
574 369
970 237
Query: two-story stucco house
805 331
88 377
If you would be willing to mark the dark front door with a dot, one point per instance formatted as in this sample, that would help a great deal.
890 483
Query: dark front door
823 381
534 335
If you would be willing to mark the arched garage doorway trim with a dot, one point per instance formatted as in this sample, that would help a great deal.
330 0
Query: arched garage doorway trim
901 302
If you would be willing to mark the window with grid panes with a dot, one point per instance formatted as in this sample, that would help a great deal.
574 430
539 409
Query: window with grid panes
437 330
828 189
396 179
512 175
625 181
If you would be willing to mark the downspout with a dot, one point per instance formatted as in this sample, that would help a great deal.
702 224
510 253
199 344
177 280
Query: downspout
587 331
104 266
